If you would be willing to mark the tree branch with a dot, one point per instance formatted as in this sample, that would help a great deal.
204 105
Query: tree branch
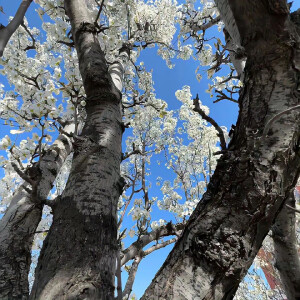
285 245
205 26
211 121
8 31
136 247
159 246
22 175
31 36
131 276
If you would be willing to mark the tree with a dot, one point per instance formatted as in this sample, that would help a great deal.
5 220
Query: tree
263 180
214 252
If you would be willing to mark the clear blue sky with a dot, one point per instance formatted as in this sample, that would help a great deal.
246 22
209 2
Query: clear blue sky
166 83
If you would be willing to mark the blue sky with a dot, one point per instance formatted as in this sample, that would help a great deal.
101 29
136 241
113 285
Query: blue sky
166 83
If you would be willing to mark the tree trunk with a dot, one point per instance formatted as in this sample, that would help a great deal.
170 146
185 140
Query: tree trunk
286 253
255 175
18 225
79 254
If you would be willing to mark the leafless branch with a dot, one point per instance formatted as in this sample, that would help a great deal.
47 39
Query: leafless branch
99 12
7 32
136 247
31 36
207 25
159 246
211 121
131 276
69 44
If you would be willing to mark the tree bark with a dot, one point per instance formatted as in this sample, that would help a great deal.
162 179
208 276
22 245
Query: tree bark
18 225
8 31
286 253
79 254
255 175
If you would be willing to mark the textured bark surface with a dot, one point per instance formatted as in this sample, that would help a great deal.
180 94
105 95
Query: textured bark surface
79 254
255 176
18 225
286 253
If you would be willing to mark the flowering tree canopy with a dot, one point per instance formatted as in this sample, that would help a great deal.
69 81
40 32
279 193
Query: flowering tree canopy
77 209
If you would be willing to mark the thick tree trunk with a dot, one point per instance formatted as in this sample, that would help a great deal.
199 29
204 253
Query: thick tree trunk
79 254
254 176
18 225
286 251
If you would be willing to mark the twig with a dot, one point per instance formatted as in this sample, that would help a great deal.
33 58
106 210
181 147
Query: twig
31 36
69 44
99 11
211 121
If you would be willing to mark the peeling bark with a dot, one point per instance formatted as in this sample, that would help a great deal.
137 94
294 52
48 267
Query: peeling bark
79 254
255 175
18 225
286 253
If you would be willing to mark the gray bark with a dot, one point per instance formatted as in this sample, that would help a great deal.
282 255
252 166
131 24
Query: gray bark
18 225
8 31
286 253
79 254
255 175
131 276
135 248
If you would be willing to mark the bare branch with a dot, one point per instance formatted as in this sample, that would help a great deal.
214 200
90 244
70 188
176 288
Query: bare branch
136 247
211 121
31 36
131 276
8 31
159 246
205 26
99 11
127 155
69 44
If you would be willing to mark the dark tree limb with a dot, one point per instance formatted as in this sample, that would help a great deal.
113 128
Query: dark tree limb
211 121
8 31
